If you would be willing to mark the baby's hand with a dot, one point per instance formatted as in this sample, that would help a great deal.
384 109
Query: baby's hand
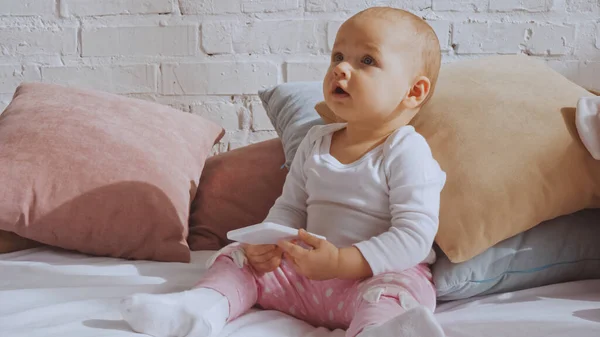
319 263
263 258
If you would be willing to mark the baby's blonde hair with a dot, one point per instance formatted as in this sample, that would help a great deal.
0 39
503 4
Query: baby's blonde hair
426 42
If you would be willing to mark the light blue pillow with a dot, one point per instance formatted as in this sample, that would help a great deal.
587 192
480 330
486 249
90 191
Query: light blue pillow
560 250
291 109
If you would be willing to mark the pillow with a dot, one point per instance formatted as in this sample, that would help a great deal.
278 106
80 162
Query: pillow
237 189
288 106
503 129
588 124
560 250
10 242
99 173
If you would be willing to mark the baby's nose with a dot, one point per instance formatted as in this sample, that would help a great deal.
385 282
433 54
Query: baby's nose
343 70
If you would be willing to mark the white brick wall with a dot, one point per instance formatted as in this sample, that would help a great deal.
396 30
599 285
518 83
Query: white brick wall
27 7
120 79
209 57
110 7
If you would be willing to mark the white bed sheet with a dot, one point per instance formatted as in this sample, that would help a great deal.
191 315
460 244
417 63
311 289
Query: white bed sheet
47 292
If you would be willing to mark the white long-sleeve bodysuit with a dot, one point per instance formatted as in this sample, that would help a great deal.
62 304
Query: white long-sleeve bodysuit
386 203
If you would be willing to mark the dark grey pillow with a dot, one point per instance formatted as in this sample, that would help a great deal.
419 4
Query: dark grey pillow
291 108
560 250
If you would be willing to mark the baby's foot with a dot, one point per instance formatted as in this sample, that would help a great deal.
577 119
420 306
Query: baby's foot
416 322
198 312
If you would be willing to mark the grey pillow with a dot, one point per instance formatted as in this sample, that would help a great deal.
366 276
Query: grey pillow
560 250
291 109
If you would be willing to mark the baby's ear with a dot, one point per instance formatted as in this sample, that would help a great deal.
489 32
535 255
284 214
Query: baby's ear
418 93
326 114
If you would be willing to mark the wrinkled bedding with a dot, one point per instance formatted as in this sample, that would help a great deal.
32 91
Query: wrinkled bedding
47 292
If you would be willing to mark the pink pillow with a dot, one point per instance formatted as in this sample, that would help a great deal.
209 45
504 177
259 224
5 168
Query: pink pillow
100 173
237 189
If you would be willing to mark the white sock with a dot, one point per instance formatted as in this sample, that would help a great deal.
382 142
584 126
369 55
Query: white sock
416 322
200 312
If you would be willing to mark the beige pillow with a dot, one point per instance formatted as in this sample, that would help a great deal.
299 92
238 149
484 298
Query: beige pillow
503 129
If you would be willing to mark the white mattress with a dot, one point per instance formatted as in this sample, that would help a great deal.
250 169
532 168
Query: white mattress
47 293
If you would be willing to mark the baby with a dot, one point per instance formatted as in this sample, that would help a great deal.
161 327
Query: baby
370 185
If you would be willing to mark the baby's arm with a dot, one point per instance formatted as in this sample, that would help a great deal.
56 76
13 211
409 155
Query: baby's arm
415 181
290 208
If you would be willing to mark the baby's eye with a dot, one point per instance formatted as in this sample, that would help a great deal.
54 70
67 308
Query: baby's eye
368 60
338 57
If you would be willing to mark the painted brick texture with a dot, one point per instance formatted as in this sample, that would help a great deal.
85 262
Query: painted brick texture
210 57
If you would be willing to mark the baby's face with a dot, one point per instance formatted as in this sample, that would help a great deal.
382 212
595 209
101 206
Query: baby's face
371 70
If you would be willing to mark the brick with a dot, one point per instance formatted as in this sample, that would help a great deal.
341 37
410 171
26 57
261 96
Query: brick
332 29
358 5
584 74
267 6
488 38
509 38
588 75
137 41
261 136
225 114
11 76
598 36
584 6
550 39
306 71
216 37
113 7
264 37
210 6
408 4
584 47
442 30
26 7
568 69
38 41
260 119
236 139
462 5
217 78
521 5
116 79
3 106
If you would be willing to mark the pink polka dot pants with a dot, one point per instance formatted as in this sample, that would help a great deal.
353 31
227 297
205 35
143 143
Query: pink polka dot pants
350 305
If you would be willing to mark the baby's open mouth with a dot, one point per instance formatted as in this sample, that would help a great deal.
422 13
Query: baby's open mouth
340 91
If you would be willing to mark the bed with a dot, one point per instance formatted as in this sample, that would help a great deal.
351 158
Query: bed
47 292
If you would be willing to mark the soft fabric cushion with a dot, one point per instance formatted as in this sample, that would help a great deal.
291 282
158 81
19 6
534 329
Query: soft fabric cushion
11 242
560 250
237 189
503 129
100 173
290 107
588 124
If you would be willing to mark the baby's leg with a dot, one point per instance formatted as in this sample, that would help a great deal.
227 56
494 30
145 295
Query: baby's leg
197 312
387 318
225 292
397 305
